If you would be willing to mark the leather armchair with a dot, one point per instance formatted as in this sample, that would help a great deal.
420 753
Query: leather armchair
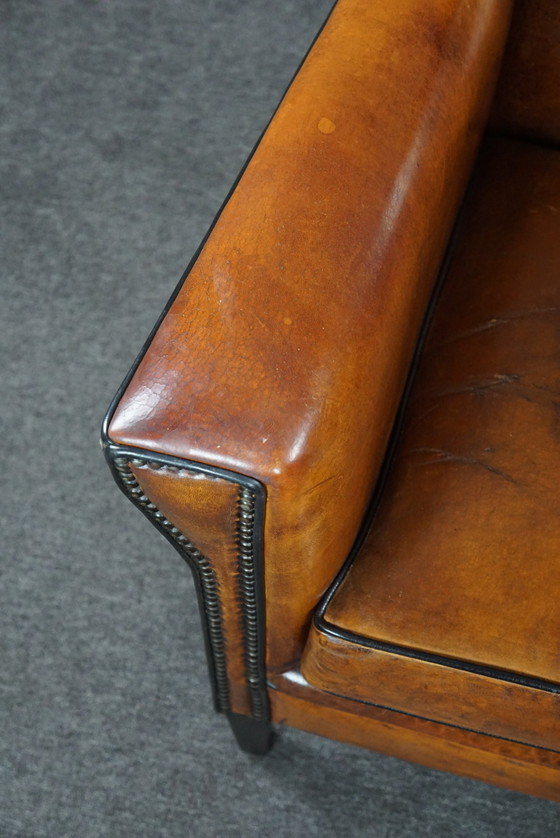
346 420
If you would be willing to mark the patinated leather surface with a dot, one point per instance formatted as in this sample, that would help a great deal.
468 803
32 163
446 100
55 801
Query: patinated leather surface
433 691
284 355
463 556
528 95
532 770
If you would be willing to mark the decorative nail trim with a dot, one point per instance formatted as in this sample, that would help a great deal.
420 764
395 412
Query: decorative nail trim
252 620
249 601
201 566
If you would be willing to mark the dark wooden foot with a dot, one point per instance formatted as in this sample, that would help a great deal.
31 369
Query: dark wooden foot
254 737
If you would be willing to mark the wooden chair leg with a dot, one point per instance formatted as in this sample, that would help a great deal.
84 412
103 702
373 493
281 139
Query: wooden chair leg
253 735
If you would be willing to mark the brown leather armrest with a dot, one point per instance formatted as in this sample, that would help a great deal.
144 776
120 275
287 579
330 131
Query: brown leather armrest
284 355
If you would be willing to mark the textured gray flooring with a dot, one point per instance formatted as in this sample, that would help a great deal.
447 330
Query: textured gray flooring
123 124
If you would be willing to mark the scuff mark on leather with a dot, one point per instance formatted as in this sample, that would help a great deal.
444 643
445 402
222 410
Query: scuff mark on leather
478 388
493 323
441 456
321 483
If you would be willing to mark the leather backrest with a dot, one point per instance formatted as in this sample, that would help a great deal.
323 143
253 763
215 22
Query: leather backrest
528 95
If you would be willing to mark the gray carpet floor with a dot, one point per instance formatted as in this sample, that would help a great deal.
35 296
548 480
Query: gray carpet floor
123 124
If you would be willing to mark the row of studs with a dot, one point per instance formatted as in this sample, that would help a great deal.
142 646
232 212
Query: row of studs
201 565
248 584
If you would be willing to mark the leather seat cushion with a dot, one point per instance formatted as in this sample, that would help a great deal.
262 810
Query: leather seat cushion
451 610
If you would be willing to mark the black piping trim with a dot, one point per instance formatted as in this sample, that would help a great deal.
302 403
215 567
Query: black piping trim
433 721
496 673
251 506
